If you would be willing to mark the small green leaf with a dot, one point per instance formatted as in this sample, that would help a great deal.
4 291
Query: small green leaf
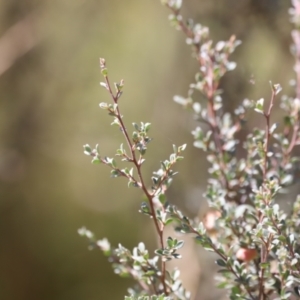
115 173
259 106
170 242
147 127
159 252
87 149
162 198
179 244
224 271
168 221
96 160
104 72
136 126
221 263
265 265
149 273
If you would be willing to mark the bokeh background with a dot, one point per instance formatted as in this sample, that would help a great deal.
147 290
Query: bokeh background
49 88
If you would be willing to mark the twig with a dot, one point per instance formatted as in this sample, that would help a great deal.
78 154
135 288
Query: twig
138 165
264 247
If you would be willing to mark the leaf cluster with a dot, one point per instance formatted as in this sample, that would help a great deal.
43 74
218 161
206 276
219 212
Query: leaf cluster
257 244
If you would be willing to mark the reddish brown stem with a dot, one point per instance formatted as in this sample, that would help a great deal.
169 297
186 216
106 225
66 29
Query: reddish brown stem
264 248
137 164
268 134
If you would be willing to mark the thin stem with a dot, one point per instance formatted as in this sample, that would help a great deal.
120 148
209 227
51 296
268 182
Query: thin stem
137 164
294 137
289 245
268 134
210 89
264 247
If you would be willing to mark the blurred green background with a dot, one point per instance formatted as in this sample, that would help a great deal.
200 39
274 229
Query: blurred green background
49 84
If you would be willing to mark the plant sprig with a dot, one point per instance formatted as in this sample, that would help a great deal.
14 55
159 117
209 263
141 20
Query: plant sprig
256 242
137 146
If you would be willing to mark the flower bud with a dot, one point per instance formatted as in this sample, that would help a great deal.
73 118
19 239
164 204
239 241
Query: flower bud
246 254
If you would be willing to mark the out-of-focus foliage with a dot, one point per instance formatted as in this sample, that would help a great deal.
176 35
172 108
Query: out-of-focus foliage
49 54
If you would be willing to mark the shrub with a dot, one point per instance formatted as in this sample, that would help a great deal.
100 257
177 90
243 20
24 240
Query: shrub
256 242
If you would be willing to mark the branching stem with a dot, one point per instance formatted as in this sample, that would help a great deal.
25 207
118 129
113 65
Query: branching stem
137 163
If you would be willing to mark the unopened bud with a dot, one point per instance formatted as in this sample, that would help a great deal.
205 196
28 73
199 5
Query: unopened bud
246 254
102 63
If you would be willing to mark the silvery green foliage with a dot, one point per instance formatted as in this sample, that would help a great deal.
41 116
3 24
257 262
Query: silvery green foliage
151 274
257 244
138 265
243 191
